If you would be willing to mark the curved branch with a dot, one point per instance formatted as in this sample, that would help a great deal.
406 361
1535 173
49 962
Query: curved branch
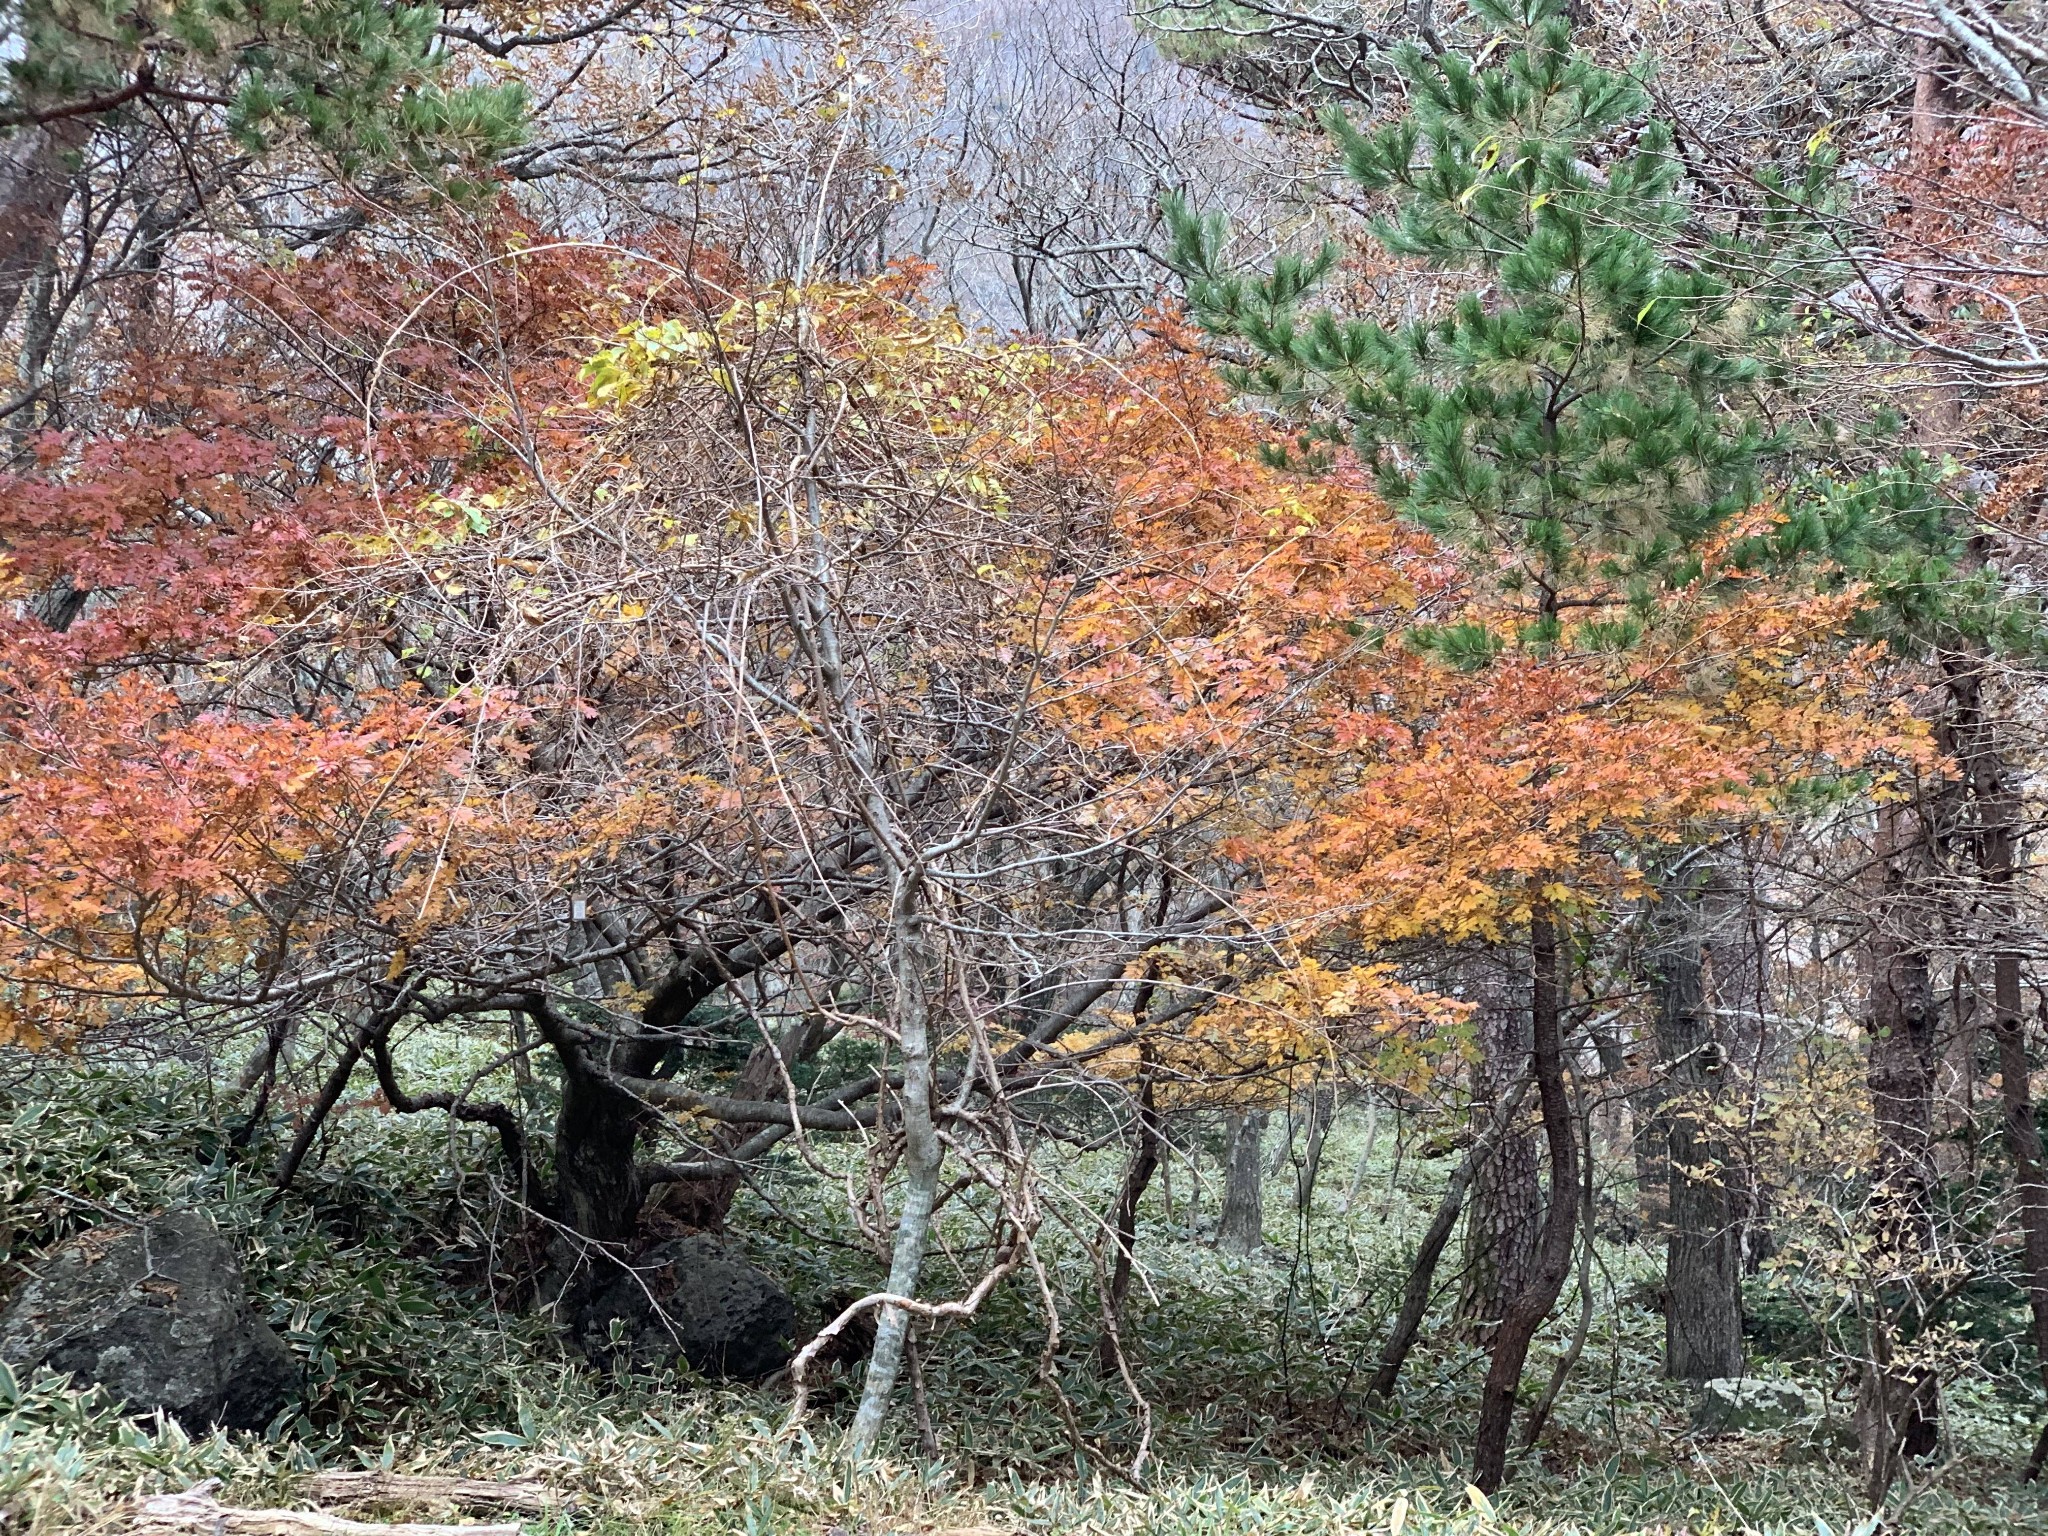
144 84
500 1117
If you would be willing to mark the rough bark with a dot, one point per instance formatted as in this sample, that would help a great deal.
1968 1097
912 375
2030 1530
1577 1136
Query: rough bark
1703 1254
1898 1408
1241 1229
1738 1002
2023 1145
1504 1216
597 1133
1901 1026
37 165
600 1187
1898 1414
1531 1304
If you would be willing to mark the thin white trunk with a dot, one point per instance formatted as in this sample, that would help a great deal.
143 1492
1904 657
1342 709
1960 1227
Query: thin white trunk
922 1155
812 618
1372 1134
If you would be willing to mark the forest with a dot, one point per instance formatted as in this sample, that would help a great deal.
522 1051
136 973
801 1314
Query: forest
981 768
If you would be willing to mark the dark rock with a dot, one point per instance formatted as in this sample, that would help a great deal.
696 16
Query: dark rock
157 1315
690 1297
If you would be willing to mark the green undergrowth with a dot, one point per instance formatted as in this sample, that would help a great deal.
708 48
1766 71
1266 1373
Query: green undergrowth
385 1270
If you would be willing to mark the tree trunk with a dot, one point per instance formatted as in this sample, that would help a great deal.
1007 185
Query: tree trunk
1322 1109
1934 407
1739 1004
704 1204
374 1022
1504 1215
1898 1409
1902 1058
1290 1128
1898 1414
1975 744
598 1193
1575 1347
1241 1229
1530 1305
37 166
1703 1257
597 1137
1124 1227
1422 1273
923 1159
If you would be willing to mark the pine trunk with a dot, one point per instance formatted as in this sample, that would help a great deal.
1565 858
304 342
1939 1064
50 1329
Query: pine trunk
1974 741
1902 1059
1528 1307
1738 997
1504 1214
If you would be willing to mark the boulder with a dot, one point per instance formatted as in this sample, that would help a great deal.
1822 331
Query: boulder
1729 1404
690 1298
157 1314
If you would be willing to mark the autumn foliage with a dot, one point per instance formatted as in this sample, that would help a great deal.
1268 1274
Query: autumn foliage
1245 666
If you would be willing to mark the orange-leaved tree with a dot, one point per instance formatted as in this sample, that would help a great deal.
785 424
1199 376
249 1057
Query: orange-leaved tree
602 656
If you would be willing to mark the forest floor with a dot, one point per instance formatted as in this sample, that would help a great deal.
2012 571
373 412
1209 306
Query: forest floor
1250 1369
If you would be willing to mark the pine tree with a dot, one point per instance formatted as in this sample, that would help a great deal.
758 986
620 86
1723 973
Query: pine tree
1581 418
362 82
1586 411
